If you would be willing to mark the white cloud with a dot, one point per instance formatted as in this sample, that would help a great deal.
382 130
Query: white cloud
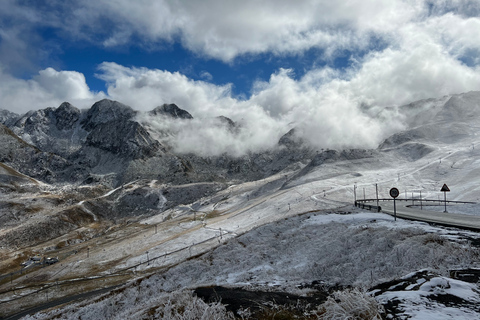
145 89
64 84
328 117
407 50
226 29
48 89
206 75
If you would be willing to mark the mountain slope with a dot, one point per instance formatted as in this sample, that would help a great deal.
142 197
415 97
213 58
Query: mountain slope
294 231
31 161
112 147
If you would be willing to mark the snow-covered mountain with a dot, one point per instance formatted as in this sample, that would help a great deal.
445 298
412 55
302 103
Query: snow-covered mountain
114 144
257 226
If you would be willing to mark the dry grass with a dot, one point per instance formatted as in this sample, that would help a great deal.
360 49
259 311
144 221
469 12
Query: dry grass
77 215
213 214
13 264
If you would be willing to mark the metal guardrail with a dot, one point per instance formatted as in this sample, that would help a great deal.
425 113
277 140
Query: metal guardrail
370 207
362 203
412 200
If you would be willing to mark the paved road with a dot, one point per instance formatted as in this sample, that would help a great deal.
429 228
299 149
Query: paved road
58 302
442 218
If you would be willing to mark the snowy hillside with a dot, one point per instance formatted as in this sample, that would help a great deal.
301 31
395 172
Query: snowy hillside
164 250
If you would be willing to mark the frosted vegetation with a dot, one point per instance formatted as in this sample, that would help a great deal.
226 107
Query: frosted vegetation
337 249
282 233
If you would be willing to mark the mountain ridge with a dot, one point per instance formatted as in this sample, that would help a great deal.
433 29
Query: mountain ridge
109 143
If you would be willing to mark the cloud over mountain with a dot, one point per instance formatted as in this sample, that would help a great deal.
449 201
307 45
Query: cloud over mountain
393 53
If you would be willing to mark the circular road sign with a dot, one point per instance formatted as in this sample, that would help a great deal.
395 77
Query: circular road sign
394 192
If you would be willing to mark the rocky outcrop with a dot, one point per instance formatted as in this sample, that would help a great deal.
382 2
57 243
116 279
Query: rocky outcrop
105 111
8 118
124 138
170 110
66 116
106 144
31 161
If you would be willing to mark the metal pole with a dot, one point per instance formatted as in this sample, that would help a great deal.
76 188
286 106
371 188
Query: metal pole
355 192
421 208
394 209
376 191
364 194
445 195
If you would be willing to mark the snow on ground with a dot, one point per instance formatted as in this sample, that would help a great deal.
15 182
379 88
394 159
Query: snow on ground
435 298
338 248
278 249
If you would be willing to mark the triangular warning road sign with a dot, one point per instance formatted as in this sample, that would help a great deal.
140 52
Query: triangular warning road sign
445 188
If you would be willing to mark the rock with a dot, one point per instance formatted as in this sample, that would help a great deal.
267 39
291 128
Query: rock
66 116
124 138
8 118
171 110
105 111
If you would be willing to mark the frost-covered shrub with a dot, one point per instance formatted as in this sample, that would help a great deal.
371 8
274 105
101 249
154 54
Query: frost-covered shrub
342 254
350 305
178 305
183 306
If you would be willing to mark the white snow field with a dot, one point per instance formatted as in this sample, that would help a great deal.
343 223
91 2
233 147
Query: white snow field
299 227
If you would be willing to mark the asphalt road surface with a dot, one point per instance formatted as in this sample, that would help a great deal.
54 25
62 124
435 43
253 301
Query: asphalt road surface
58 302
442 218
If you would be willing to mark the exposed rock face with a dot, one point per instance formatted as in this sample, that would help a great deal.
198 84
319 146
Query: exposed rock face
31 161
8 118
171 110
229 124
106 144
66 116
105 111
289 140
123 137
36 122
52 130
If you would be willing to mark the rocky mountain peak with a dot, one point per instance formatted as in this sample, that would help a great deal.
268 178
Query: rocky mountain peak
66 115
38 120
171 110
290 140
8 118
105 111
228 123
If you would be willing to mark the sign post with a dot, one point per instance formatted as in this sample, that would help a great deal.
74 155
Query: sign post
445 189
394 194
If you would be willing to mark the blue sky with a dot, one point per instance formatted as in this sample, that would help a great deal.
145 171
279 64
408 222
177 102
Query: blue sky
242 72
316 64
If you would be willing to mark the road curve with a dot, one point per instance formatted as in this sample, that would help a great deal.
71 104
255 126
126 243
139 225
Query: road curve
447 219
